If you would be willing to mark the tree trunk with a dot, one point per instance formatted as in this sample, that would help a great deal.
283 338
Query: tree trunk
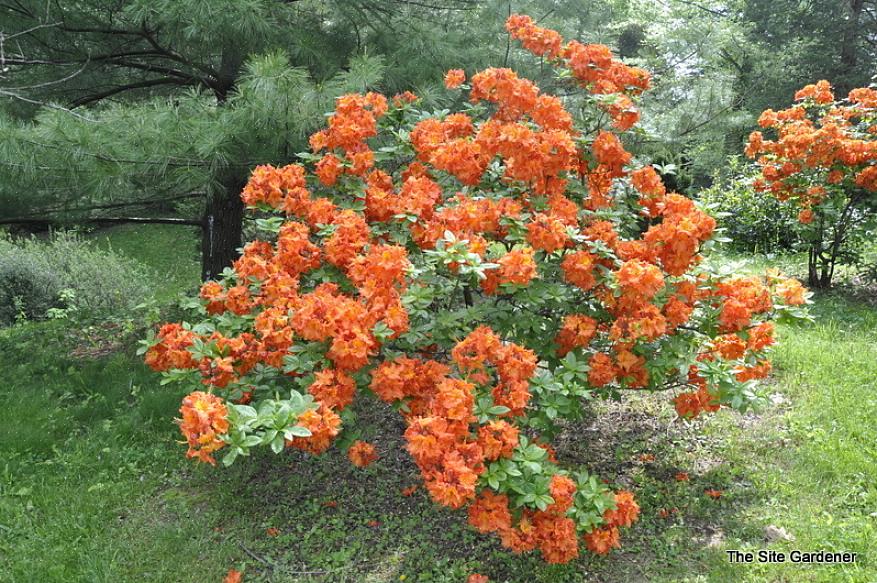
812 268
223 227
224 212
849 47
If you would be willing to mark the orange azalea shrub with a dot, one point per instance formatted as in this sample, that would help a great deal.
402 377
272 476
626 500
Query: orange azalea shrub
824 160
485 272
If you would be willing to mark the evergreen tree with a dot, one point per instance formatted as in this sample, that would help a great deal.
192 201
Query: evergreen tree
117 105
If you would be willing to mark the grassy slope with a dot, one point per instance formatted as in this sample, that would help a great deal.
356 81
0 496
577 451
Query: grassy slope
94 488
172 251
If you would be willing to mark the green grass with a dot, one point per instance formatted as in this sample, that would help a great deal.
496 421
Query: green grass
171 252
95 488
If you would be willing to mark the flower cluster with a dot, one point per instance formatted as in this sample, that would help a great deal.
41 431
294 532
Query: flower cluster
204 420
822 146
403 227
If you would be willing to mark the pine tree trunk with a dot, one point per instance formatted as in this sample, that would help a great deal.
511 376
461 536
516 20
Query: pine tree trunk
849 47
223 227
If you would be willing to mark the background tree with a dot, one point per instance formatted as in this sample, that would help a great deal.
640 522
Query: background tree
158 110
719 64
123 105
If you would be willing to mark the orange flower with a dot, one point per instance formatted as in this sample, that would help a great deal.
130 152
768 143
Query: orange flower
324 424
476 578
602 540
454 399
578 269
792 292
539 41
602 370
820 92
730 346
610 153
328 169
805 216
453 484
204 420
556 537
233 576
409 490
515 267
333 388
626 510
362 454
647 181
562 489
682 476
271 531
490 512
497 439
640 277
401 99
761 336
576 331
759 370
714 494
690 405
270 186
547 233
454 78
171 349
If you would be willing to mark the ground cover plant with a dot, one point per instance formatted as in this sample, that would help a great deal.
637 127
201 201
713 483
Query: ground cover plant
486 272
64 275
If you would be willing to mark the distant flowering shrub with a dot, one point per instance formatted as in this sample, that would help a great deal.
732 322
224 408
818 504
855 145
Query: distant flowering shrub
485 272
824 160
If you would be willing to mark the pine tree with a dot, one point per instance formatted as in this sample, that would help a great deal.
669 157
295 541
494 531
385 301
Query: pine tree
115 106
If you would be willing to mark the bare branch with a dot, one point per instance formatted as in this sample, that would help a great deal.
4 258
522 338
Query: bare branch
5 37
48 83
45 104
95 97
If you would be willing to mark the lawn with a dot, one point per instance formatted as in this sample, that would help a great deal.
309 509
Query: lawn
94 487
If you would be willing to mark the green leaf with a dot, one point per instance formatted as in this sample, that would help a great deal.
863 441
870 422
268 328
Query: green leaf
230 457
299 431
277 443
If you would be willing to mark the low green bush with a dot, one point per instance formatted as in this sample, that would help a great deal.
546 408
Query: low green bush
754 222
66 276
